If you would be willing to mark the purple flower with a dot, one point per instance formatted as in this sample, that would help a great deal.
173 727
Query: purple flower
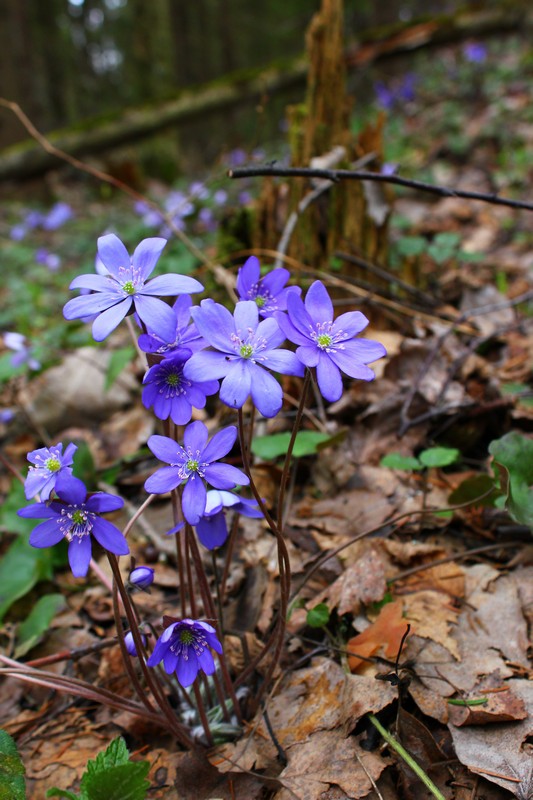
385 97
75 517
142 577
125 288
57 216
243 347
220 197
193 463
185 333
130 643
211 528
18 232
475 52
23 354
172 394
51 467
329 345
50 260
184 648
268 293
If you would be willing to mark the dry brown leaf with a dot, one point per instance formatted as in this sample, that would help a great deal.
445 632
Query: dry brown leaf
504 706
432 618
447 578
385 634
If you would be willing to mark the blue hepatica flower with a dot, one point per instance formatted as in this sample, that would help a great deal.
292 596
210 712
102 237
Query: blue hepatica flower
50 468
125 289
185 333
141 577
269 293
185 648
212 529
172 394
326 344
243 348
192 464
76 517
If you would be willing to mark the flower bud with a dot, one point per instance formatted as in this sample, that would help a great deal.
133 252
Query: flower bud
142 577
130 644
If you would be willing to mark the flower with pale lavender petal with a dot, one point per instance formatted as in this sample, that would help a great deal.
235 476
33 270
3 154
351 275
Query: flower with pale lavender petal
185 648
18 232
142 577
130 643
185 335
268 293
244 350
198 190
126 289
207 219
220 197
193 464
50 468
211 528
57 216
326 344
75 516
23 353
6 415
172 394
49 260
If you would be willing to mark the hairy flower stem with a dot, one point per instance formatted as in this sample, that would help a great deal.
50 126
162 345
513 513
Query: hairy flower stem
201 711
287 464
179 730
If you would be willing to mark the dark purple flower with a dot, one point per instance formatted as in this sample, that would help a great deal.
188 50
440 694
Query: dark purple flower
172 394
130 643
142 577
212 529
329 346
18 232
185 334
192 464
243 348
269 293
50 466
184 648
23 353
57 216
125 289
475 52
385 97
75 517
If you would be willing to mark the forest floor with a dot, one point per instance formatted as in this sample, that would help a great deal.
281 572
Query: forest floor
408 531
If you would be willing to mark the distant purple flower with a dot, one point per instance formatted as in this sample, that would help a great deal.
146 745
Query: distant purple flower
57 216
18 232
126 289
33 219
192 464
244 198
389 168
6 415
385 97
236 157
51 467
172 394
184 648
207 219
329 346
23 353
268 293
75 517
150 216
198 190
211 528
141 577
220 197
243 348
406 89
130 643
185 334
49 260
475 52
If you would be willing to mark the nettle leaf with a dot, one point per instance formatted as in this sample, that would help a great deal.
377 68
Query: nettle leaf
37 622
397 461
439 456
12 783
306 444
513 458
112 776
21 567
118 361
318 616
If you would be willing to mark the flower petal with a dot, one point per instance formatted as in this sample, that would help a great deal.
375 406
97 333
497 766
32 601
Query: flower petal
113 254
220 444
164 285
267 394
79 555
212 531
187 669
195 437
206 365
88 304
101 502
108 320
163 480
225 476
308 354
247 277
193 500
39 511
206 662
165 449
156 315
110 537
350 324
215 324
246 317
284 361
146 255
329 378
318 303
97 283
236 386
46 534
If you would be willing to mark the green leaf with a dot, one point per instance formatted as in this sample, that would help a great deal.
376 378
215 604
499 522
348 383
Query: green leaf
306 444
21 567
513 456
439 456
55 792
397 461
112 776
9 520
479 490
12 783
118 361
411 245
318 616
37 622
